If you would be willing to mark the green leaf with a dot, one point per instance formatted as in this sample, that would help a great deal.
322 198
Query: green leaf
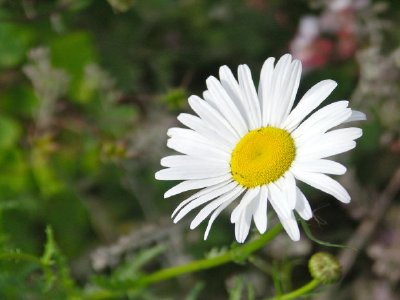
50 247
50 250
15 41
72 52
175 98
9 132
52 256
131 268
75 5
43 171
196 291
19 100
66 212
14 175
250 292
236 292
121 118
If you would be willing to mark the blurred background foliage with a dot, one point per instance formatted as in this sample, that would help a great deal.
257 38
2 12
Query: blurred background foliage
87 91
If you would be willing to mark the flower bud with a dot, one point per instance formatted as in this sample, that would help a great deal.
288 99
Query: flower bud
324 267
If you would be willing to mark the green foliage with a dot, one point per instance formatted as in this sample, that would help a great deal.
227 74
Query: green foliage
16 41
9 132
241 290
87 90
72 52
236 292
52 257
130 271
175 98
195 293
57 281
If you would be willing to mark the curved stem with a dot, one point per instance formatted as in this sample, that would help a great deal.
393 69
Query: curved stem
231 255
237 253
313 284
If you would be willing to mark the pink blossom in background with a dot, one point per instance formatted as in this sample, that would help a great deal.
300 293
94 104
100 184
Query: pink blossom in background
340 5
330 36
313 50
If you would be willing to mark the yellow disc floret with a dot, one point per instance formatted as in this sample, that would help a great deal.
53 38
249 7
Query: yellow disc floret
262 156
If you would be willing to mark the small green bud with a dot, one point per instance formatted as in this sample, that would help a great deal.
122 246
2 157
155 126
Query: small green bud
324 267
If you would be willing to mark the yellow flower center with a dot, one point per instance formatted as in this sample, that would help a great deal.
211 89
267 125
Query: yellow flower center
262 156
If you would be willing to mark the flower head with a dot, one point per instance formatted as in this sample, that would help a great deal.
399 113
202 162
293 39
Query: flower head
249 147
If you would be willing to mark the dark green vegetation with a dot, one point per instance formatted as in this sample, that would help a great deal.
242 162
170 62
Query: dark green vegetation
88 89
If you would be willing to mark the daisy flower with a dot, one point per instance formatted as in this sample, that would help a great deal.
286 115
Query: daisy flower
249 147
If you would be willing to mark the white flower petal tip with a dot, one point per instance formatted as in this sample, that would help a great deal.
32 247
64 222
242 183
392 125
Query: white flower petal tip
356 116
303 207
247 147
159 175
295 238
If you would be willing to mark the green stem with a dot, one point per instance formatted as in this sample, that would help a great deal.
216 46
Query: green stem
198 265
276 279
311 285
207 263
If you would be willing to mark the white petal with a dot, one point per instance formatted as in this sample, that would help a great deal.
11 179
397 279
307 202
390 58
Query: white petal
311 100
302 206
188 134
280 72
285 214
196 149
246 200
260 216
291 227
327 150
206 191
226 106
202 128
292 87
204 199
209 208
232 87
328 144
250 96
193 172
325 184
320 166
195 184
212 117
275 197
188 161
323 119
242 226
214 216
286 89
356 116
290 189
211 100
265 90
